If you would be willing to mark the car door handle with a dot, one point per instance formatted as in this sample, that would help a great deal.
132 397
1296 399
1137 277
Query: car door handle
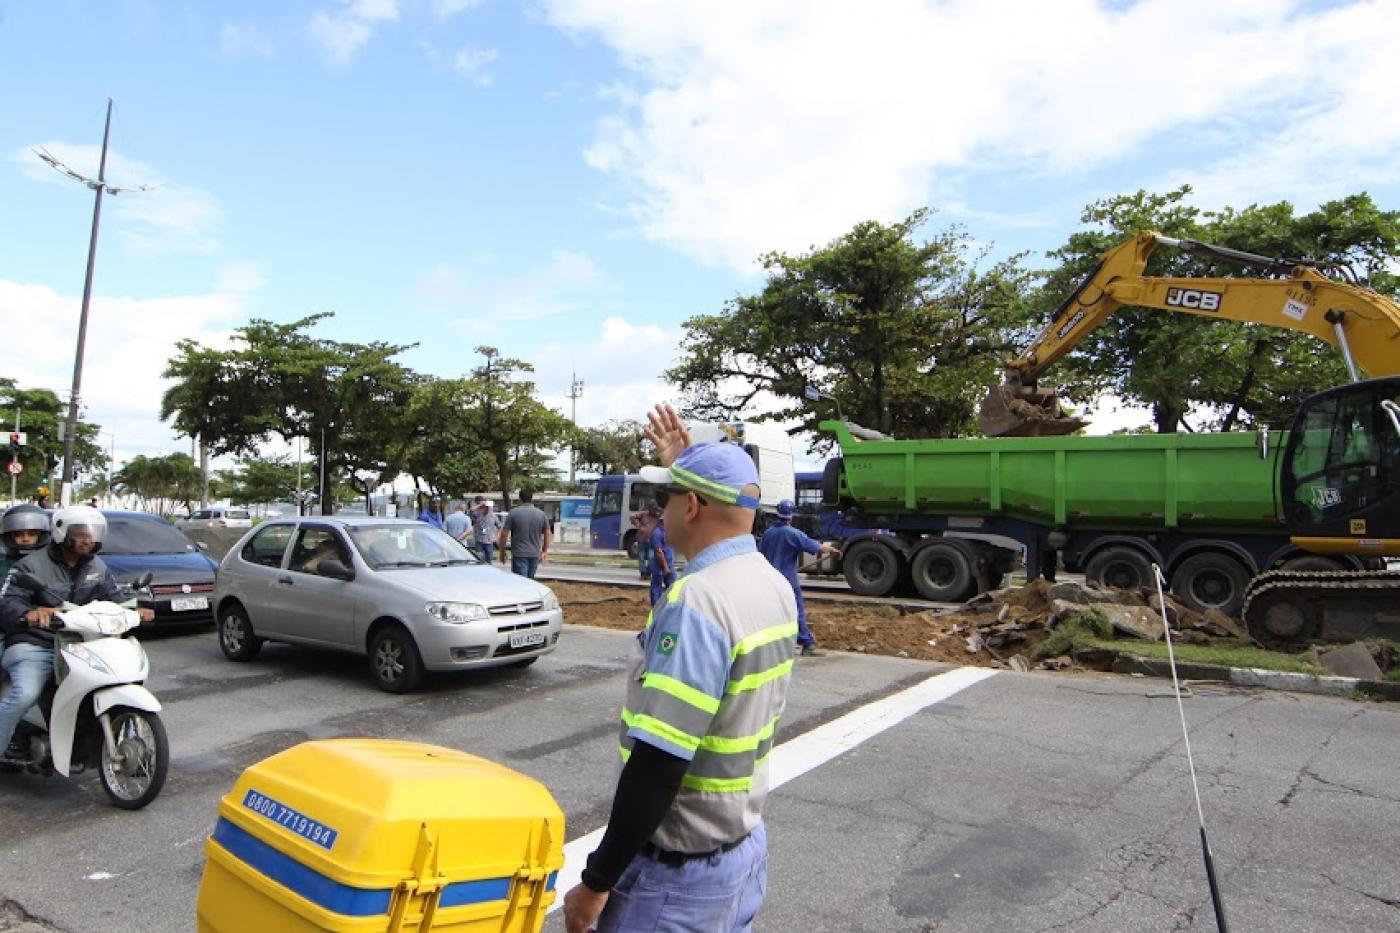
285 581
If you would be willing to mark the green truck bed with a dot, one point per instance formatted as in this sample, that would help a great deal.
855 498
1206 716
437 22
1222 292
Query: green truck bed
1185 482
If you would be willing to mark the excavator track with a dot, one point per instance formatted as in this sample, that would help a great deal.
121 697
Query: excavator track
1284 608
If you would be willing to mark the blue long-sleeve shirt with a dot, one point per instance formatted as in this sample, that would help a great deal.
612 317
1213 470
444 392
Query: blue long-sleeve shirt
784 546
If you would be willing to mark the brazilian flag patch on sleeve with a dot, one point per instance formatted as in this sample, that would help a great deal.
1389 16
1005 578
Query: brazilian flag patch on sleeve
666 644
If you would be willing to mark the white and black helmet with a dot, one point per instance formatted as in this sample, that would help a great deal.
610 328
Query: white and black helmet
72 517
26 517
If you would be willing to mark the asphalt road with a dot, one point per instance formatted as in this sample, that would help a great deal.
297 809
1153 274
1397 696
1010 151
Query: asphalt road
1022 802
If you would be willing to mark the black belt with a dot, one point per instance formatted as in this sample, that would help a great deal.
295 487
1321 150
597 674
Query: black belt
677 859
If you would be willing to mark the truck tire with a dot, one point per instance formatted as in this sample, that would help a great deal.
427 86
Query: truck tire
831 481
629 544
1121 567
872 568
1211 580
943 573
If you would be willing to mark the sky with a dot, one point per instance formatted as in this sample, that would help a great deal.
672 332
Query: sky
570 180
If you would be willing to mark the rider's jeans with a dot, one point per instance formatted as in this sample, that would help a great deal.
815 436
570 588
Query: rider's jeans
30 668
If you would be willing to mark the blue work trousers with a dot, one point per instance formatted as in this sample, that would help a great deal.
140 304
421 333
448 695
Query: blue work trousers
660 583
30 668
484 550
718 894
804 634
525 566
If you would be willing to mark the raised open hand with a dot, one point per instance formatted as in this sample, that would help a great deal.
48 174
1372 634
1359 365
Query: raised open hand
667 433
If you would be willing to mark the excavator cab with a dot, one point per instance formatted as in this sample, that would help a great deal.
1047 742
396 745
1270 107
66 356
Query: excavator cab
1340 477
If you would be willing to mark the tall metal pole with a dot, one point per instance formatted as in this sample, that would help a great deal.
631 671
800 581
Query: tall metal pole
14 476
71 429
575 390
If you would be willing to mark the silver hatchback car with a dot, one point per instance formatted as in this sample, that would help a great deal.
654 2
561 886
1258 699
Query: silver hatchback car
403 592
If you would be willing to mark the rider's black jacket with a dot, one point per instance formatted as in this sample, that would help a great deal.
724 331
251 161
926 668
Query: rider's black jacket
87 582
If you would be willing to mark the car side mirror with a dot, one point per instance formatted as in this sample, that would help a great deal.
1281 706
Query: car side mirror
335 570
202 545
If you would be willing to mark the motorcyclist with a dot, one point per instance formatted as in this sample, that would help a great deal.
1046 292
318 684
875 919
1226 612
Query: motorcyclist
71 570
24 528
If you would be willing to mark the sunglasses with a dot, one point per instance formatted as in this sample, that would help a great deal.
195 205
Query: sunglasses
664 494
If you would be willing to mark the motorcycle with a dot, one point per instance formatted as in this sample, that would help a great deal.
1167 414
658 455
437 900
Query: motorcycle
96 712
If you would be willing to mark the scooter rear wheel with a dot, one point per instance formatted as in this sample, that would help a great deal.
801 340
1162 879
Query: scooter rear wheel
136 774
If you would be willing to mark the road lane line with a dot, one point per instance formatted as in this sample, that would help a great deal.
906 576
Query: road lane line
813 749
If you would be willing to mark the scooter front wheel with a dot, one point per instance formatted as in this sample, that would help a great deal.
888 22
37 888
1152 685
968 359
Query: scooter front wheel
135 774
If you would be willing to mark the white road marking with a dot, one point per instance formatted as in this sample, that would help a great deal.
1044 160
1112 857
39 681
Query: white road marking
810 750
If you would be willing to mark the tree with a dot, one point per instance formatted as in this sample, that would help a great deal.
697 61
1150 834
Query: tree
259 480
41 419
906 336
615 447
160 483
1172 363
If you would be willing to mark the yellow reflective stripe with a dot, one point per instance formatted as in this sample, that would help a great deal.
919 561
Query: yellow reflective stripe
727 494
647 627
662 730
754 681
721 745
717 785
674 593
626 753
764 637
681 691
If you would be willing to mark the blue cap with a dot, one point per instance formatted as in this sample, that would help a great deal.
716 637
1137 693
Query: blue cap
718 471
786 509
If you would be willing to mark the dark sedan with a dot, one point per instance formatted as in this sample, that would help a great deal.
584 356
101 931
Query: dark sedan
182 576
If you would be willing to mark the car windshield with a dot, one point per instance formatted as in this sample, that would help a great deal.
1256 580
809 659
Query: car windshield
389 547
143 536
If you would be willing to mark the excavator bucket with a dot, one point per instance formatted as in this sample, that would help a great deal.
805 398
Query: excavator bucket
1013 410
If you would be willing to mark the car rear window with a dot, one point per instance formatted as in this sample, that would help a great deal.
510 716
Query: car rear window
237 513
143 536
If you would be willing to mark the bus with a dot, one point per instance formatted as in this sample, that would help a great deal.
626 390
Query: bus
617 496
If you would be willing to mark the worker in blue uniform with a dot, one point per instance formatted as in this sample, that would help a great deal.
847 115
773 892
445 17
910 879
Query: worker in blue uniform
663 563
784 546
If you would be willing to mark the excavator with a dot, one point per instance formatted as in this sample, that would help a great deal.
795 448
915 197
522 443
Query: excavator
1338 476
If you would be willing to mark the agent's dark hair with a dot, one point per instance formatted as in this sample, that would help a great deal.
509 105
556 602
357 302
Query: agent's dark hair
527 495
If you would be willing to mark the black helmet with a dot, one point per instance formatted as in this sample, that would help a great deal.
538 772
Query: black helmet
25 517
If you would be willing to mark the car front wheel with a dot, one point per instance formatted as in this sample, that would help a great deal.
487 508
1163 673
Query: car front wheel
394 660
236 638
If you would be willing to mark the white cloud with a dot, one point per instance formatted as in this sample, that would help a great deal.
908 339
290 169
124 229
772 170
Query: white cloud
475 64
240 278
244 40
129 341
566 283
172 218
762 126
448 8
345 30
621 370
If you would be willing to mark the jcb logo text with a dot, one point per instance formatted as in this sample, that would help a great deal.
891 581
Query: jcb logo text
1193 298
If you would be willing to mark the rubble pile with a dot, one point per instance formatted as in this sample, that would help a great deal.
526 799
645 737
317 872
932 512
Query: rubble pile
1014 624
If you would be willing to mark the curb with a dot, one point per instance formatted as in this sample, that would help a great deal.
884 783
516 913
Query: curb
1254 677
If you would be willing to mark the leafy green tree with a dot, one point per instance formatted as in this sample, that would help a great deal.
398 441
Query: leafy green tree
41 419
161 483
614 447
905 335
1172 363
259 480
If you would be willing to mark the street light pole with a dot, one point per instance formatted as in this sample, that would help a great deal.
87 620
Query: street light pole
575 391
99 187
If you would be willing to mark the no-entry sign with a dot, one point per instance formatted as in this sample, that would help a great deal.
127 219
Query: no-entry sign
15 468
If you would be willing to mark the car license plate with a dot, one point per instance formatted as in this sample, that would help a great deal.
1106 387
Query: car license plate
526 639
189 603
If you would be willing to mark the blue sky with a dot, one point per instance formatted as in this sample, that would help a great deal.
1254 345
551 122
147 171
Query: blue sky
568 180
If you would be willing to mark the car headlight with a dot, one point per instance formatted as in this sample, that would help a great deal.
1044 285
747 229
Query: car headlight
550 600
457 612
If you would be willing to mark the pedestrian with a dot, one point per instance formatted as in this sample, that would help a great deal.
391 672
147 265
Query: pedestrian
458 524
41 497
645 523
663 563
685 847
433 513
527 529
784 546
486 524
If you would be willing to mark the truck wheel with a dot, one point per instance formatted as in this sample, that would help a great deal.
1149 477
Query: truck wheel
872 568
831 481
943 573
629 544
1120 567
1211 581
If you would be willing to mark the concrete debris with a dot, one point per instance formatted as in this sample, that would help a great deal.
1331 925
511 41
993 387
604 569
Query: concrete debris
1086 595
1353 660
1138 621
1019 664
975 643
1215 622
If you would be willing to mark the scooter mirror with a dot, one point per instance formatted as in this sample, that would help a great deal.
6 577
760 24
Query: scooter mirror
143 581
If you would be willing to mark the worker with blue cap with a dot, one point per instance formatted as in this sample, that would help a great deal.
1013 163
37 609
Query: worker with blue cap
784 546
706 685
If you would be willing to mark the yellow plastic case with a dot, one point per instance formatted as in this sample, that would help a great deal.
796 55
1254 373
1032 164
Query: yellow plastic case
367 834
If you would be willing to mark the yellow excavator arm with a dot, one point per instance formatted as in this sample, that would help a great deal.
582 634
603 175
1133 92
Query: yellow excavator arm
1364 325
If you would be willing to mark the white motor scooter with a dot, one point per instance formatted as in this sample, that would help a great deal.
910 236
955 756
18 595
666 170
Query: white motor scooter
96 713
